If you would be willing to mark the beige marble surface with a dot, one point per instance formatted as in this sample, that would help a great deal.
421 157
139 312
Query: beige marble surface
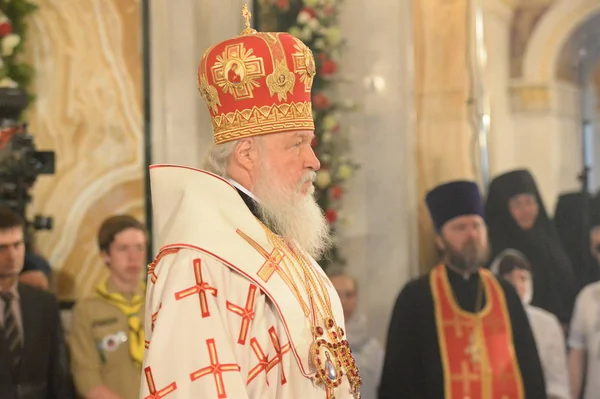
445 147
87 54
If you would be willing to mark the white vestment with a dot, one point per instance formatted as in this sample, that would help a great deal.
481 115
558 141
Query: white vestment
223 319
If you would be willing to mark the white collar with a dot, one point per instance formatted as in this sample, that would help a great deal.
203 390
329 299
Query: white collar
242 189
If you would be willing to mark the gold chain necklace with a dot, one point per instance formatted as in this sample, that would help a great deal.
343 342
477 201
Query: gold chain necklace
330 352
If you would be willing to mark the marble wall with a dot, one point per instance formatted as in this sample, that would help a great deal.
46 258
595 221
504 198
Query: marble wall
87 55
379 240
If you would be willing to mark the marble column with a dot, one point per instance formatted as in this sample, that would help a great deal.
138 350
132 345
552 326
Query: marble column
180 33
378 238
502 141
446 142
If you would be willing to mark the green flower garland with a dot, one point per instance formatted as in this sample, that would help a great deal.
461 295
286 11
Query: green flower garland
13 29
315 22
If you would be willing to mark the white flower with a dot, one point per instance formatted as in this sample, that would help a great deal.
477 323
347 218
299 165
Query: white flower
325 158
304 17
313 24
295 31
9 43
334 36
319 44
8 82
329 122
344 172
306 34
323 179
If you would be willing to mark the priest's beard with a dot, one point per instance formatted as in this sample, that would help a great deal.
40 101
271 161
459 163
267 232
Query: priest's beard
469 258
292 214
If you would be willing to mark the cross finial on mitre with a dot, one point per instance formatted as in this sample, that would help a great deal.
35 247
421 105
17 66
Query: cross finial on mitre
247 15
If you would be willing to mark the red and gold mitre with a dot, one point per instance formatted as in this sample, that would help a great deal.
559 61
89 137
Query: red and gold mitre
257 83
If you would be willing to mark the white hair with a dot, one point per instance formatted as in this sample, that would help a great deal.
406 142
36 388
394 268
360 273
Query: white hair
217 158
283 209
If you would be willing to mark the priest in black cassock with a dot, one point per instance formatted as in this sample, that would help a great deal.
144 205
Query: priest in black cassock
458 332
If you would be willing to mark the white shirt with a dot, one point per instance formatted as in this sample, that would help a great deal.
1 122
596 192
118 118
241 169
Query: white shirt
550 342
585 335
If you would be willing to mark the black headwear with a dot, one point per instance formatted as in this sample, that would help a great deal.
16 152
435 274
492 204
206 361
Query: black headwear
453 199
553 277
572 221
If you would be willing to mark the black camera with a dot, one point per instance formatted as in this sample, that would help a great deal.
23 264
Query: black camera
20 161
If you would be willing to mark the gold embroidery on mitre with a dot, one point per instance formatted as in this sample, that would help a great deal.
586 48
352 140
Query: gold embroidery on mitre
262 120
281 81
304 65
209 94
237 71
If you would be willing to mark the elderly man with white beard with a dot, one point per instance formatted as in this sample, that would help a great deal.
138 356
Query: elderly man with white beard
237 307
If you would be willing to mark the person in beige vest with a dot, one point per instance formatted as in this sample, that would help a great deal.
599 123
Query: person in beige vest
107 337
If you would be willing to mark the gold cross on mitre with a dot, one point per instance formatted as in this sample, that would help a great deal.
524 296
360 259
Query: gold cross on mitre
247 15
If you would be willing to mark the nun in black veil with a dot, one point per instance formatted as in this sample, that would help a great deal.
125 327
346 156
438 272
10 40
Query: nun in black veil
572 217
517 219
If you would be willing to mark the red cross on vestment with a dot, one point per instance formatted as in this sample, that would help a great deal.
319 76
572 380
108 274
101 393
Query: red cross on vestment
215 368
263 362
272 265
280 350
246 313
155 316
200 288
152 266
154 394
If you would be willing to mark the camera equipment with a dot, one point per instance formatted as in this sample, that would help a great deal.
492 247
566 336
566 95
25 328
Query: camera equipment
20 162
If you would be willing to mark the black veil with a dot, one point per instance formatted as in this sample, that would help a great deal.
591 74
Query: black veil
553 278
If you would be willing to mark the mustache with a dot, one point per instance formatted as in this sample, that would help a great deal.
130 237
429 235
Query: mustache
308 177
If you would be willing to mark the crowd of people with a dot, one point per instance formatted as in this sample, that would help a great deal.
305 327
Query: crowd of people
235 305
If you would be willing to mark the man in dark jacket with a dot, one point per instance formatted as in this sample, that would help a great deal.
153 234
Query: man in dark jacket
33 362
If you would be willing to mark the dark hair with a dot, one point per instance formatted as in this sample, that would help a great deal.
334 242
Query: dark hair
113 226
10 219
511 261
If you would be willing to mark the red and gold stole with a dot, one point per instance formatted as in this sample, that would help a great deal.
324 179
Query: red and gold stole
476 349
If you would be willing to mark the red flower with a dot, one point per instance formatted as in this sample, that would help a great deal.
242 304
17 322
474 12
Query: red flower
336 192
328 68
322 57
5 29
328 10
314 142
310 11
331 215
282 4
320 101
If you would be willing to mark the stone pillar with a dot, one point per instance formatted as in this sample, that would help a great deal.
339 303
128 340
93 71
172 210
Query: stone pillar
502 141
446 147
180 33
378 241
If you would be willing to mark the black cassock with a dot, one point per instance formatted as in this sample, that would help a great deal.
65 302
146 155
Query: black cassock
413 368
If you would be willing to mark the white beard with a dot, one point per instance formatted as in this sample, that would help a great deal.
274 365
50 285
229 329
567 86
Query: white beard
292 214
